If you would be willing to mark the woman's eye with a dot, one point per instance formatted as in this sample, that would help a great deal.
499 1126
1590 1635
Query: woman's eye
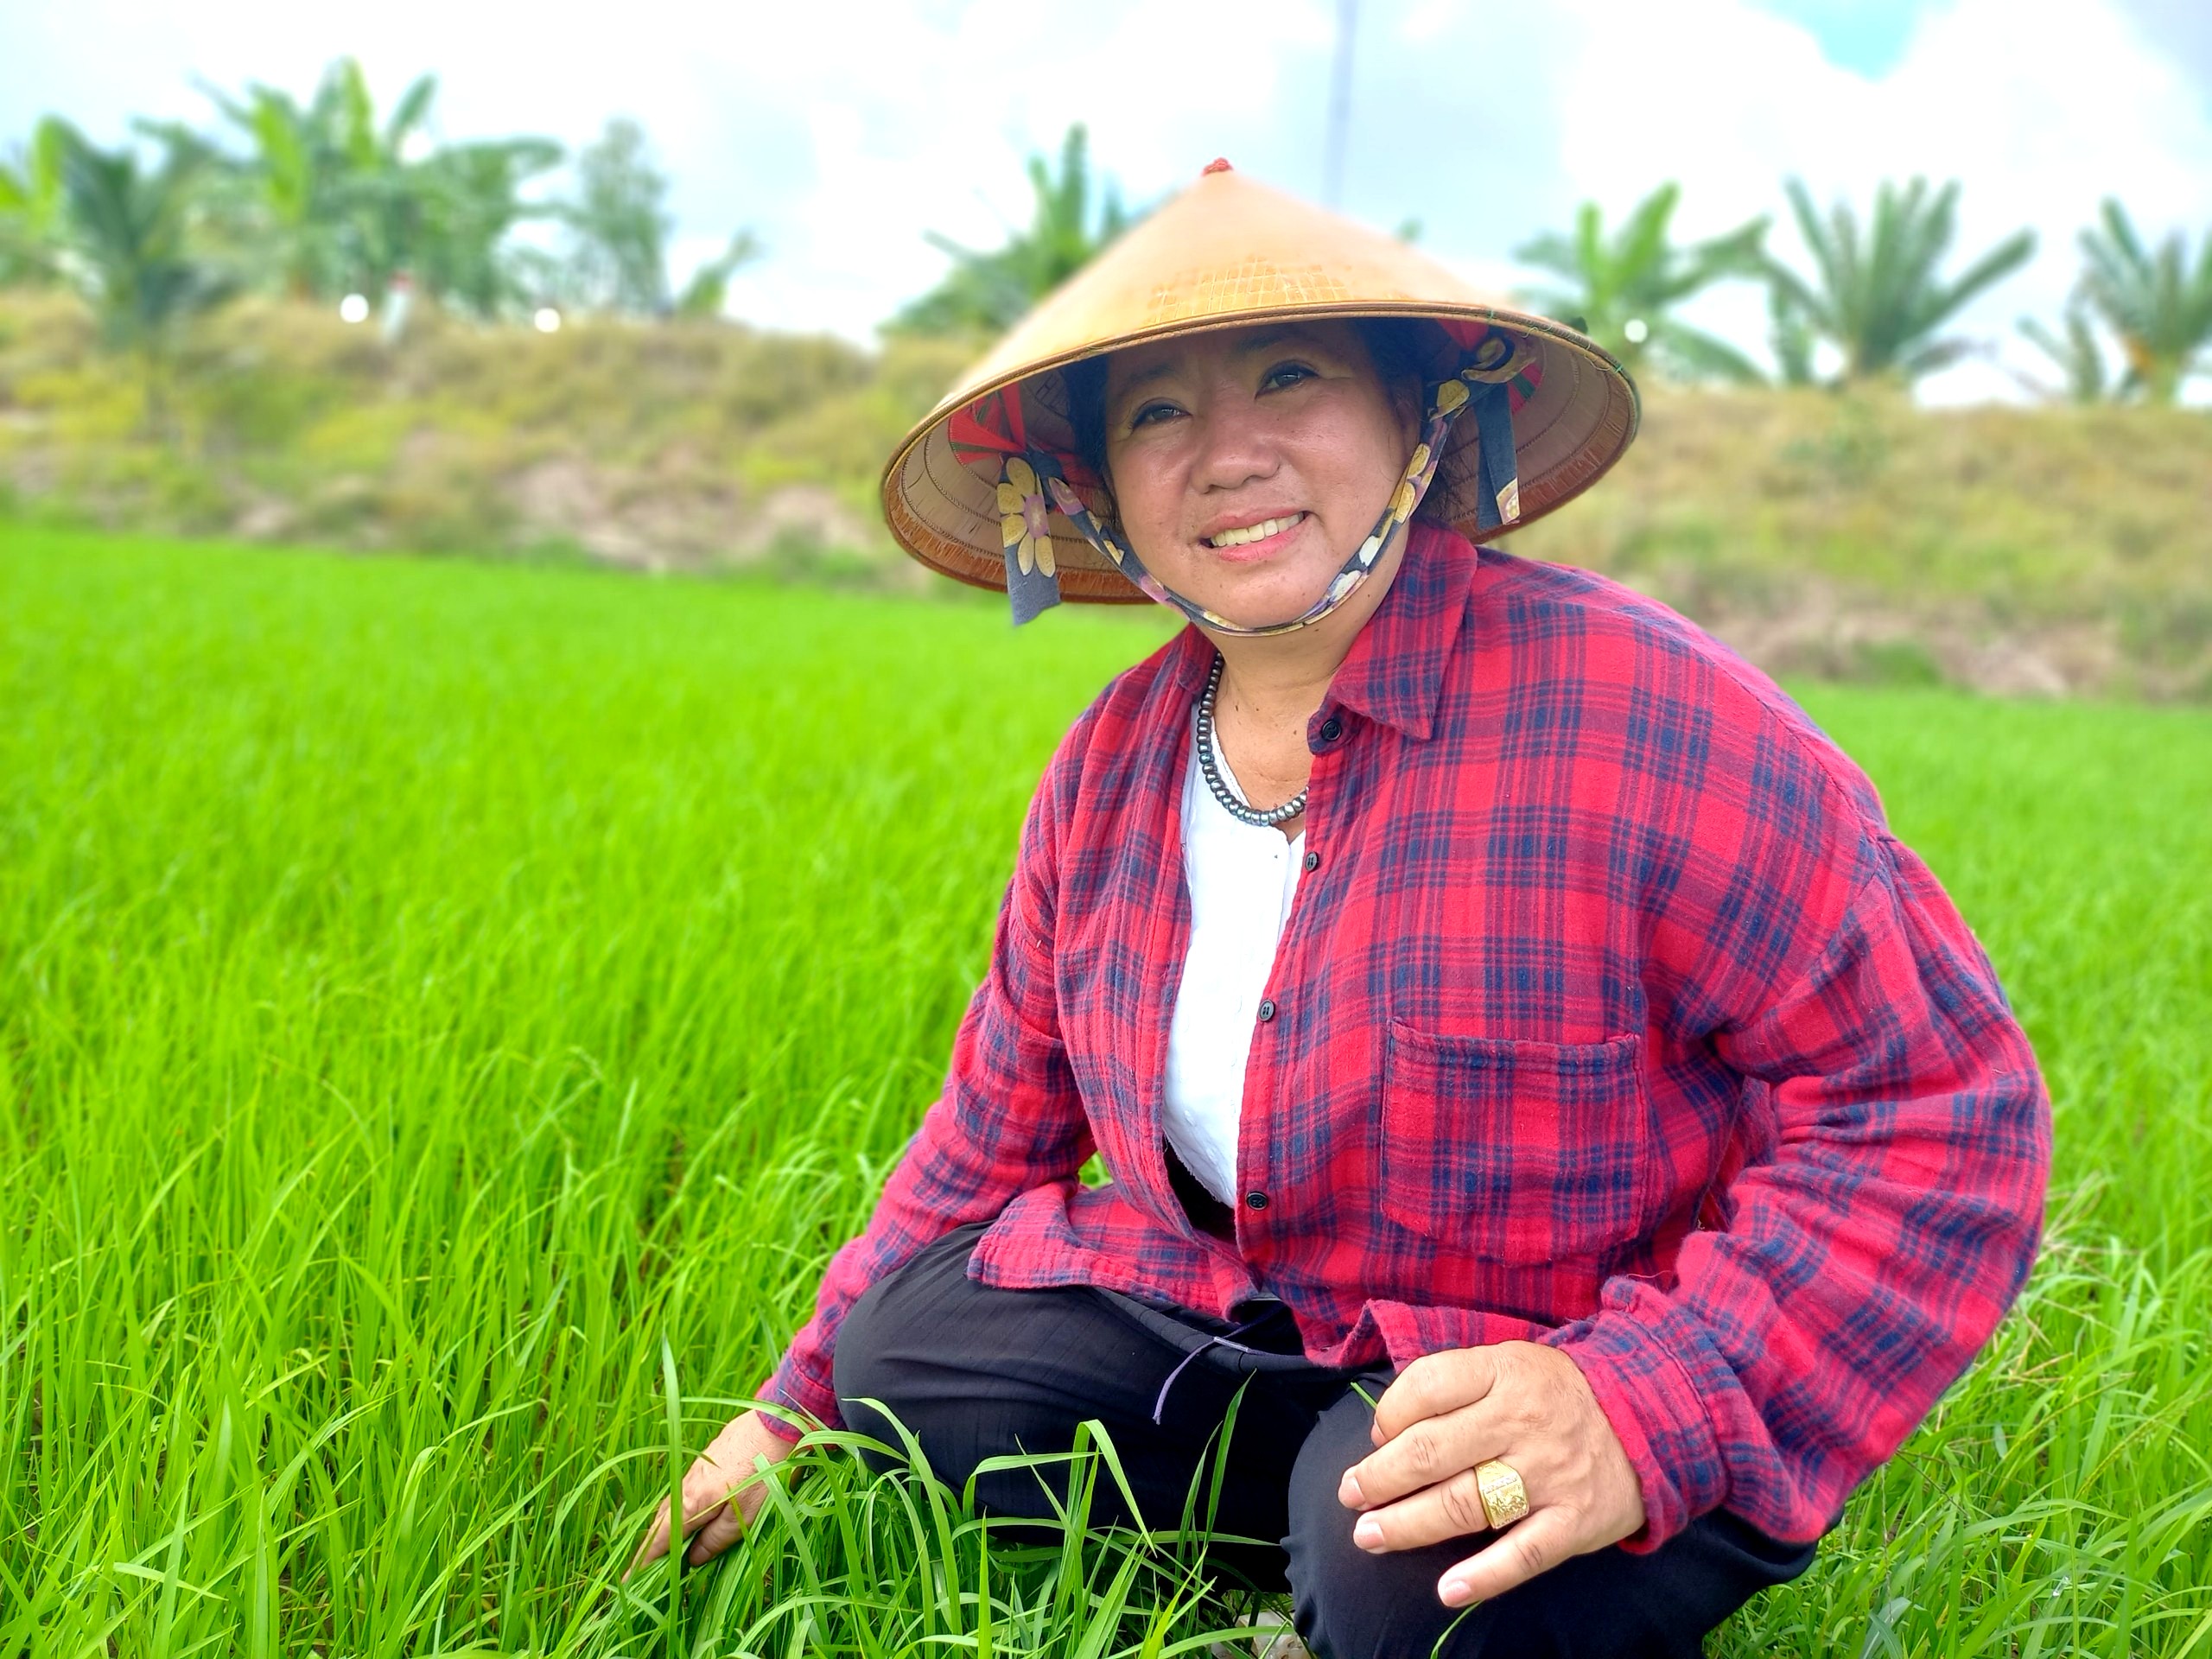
1286 374
1143 417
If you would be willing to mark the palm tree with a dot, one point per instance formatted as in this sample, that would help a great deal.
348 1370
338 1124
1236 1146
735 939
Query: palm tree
127 231
31 204
2158 304
985 293
2076 352
1876 294
1627 286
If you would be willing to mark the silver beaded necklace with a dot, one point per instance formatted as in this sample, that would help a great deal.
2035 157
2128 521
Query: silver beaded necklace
1210 764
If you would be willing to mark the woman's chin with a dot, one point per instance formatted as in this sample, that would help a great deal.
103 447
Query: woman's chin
1266 597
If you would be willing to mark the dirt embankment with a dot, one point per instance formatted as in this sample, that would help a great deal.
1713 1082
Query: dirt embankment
2035 552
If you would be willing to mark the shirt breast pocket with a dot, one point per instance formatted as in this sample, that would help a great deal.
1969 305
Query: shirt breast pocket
1521 1152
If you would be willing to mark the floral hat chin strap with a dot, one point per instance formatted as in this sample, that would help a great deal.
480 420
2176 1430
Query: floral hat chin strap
1496 374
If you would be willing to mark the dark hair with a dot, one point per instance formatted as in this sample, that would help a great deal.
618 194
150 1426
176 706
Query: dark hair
1400 348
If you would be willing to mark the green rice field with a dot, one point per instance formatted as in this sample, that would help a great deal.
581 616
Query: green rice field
448 1012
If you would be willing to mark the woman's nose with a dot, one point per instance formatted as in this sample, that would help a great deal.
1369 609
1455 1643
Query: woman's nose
1235 445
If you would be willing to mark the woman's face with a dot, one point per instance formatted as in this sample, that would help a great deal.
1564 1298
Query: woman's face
1285 427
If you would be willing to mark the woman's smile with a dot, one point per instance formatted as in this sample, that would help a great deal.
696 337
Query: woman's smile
1250 537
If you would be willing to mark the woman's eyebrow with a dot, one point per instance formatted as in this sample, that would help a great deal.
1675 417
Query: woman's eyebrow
1158 371
1266 339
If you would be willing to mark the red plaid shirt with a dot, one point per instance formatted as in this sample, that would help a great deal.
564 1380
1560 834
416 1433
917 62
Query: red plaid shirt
1610 1016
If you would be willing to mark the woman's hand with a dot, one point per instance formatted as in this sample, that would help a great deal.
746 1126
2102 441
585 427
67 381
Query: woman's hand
723 1469
1524 1404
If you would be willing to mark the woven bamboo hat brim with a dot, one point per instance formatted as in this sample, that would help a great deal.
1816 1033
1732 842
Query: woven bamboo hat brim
1224 253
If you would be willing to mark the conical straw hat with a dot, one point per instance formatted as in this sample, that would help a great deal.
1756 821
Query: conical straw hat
1223 253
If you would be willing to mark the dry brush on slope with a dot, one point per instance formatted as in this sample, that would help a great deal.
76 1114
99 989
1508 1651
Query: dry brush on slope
2034 552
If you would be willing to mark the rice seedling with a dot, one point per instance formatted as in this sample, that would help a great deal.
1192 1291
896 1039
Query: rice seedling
448 1014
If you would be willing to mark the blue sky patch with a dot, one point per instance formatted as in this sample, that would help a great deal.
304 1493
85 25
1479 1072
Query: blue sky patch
1864 37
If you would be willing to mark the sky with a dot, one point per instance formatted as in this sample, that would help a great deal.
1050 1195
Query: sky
842 134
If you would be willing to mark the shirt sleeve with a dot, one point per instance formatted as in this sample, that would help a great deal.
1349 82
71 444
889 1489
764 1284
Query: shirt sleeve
1870 1250
1009 1119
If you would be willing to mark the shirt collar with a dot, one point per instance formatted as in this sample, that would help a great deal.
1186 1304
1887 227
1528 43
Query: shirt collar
1394 672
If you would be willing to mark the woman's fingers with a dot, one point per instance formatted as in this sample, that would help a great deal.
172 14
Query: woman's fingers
1430 1449
706 1490
1450 1508
721 1492
1522 1551
722 1529
1438 1384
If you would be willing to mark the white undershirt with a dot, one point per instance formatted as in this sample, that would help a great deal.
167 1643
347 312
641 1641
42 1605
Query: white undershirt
1242 878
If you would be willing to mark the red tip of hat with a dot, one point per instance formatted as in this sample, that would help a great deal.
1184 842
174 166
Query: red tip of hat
1219 164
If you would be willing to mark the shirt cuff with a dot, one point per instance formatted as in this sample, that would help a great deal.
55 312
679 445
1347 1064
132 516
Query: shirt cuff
1640 1357
789 1434
792 1387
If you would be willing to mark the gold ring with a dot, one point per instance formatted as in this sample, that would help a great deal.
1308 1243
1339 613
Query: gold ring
1504 1499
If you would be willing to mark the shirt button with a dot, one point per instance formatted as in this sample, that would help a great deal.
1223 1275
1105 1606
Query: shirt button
1255 1200
1313 861
1332 729
1266 1012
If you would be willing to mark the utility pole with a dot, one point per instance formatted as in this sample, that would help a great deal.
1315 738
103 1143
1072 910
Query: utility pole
1339 103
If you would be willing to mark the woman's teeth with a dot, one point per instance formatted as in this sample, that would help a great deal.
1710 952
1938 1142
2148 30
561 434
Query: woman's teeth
1258 532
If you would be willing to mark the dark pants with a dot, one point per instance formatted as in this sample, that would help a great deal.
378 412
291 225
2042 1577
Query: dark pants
975 1372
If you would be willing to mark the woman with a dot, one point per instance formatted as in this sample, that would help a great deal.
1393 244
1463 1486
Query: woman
1486 991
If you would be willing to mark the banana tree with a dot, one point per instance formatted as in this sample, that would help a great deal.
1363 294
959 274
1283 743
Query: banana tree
2158 303
986 292
311 197
1876 294
448 219
704 294
1625 287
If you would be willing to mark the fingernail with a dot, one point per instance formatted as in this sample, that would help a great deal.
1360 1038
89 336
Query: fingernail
1454 1592
1368 1535
1348 1492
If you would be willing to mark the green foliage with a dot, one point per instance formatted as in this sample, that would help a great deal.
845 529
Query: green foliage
447 224
327 199
707 290
1876 294
1626 287
426 990
617 259
618 226
2080 360
308 203
127 230
32 205
2158 304
988 293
